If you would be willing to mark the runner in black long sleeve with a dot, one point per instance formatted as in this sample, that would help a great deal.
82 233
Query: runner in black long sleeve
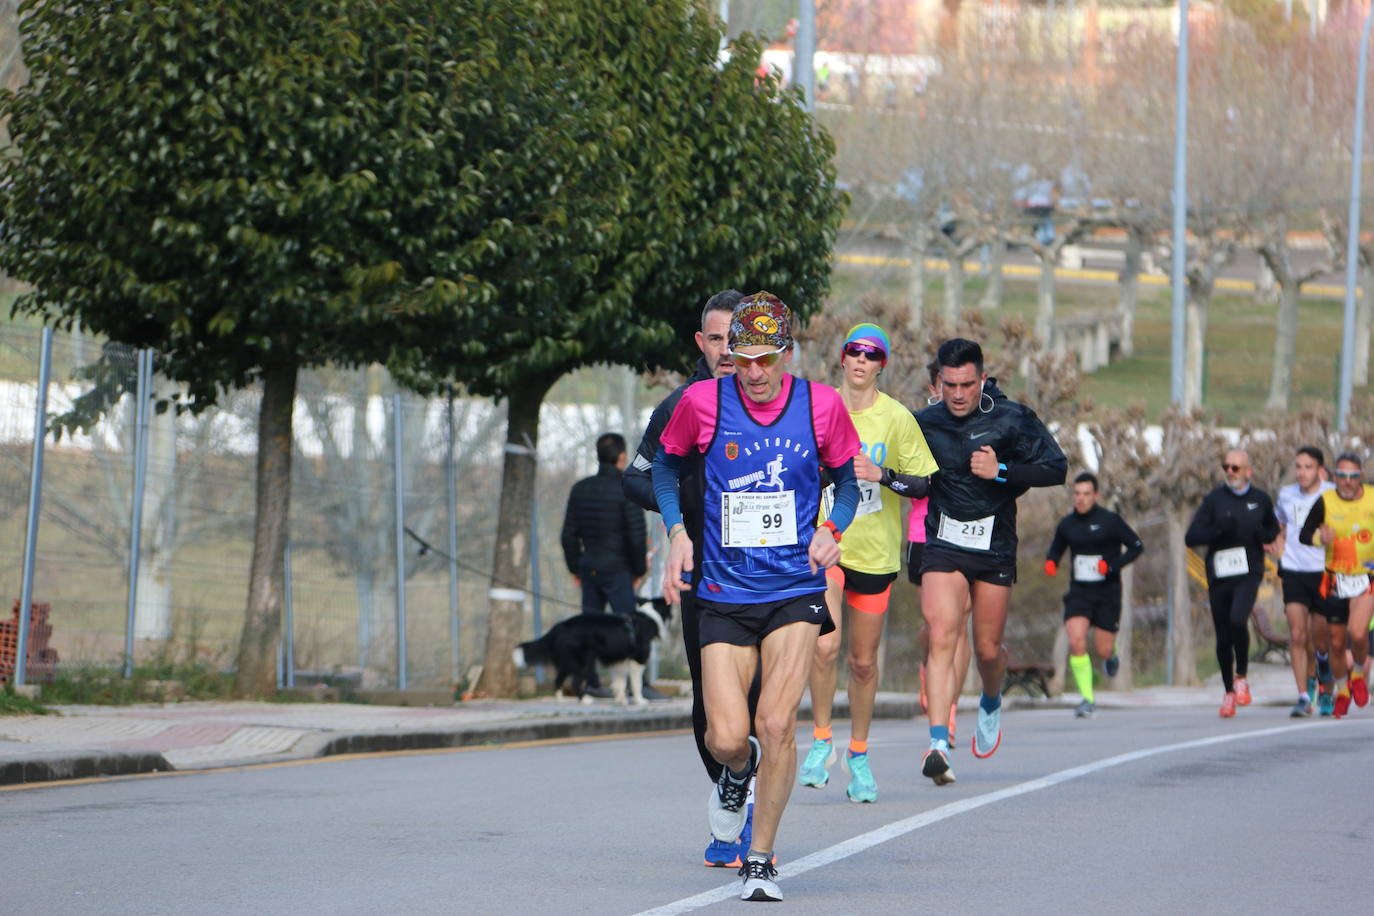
1101 544
990 450
1236 523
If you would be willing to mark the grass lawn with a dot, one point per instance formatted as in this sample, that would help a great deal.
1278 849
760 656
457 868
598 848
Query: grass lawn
1240 341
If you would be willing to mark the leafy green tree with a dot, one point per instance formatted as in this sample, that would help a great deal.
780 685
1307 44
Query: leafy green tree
252 189
730 184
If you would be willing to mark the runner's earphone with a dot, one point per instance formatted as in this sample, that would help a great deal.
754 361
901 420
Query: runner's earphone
983 394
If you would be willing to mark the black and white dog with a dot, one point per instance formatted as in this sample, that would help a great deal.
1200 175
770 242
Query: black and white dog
574 646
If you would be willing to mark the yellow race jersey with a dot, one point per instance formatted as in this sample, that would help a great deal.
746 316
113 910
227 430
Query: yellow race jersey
891 438
1352 524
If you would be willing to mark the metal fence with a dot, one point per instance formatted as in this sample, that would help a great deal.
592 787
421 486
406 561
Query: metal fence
393 515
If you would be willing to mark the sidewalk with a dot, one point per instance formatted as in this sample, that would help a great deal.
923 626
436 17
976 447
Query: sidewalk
86 741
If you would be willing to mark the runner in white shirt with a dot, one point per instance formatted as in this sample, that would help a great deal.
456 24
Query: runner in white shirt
1300 569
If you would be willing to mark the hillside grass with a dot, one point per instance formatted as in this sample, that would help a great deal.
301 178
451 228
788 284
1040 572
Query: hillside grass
1240 341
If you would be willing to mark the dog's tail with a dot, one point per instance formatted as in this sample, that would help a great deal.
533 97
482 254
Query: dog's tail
534 652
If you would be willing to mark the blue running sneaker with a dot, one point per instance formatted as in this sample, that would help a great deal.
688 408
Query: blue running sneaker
720 854
1301 708
815 769
987 737
1311 690
1112 665
862 788
1326 703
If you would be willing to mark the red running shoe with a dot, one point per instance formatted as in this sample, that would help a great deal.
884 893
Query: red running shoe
1242 692
1342 704
1228 706
1359 691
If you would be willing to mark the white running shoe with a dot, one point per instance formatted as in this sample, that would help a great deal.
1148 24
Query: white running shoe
727 808
758 877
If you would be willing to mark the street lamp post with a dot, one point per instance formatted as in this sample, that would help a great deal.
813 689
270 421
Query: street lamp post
1352 242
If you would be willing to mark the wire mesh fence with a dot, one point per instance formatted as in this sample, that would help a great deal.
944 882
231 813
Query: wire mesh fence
368 552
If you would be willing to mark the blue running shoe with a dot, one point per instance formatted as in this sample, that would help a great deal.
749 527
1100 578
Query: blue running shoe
815 769
987 737
1311 690
1326 703
720 854
862 788
1112 665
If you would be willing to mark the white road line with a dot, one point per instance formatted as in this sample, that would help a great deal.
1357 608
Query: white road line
865 841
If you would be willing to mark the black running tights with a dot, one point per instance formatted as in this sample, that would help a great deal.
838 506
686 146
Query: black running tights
691 638
1232 602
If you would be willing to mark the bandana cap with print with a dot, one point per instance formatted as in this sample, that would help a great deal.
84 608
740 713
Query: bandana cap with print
761 320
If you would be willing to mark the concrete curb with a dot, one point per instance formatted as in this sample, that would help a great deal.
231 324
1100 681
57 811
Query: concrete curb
81 766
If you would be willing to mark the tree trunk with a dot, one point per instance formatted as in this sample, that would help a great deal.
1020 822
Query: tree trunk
995 292
1044 295
1185 658
257 659
511 562
954 286
1129 294
1285 343
916 275
1363 309
1196 343
153 614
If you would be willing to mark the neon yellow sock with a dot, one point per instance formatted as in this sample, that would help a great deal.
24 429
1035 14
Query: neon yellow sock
1082 668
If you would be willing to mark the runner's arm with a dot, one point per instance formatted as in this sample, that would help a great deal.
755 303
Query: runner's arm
1205 527
846 495
1131 541
1269 528
638 481
905 484
1316 517
667 470
1037 461
1058 545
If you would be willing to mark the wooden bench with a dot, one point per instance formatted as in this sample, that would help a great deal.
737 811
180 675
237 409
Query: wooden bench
1270 640
1033 679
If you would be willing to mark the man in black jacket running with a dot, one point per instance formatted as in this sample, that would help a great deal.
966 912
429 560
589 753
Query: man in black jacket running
990 450
1236 523
1100 544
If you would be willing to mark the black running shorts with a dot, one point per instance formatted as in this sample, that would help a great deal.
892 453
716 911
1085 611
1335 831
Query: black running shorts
748 624
914 552
1101 604
1302 588
974 567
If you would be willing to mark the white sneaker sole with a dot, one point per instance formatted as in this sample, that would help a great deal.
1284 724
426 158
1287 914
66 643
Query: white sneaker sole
758 889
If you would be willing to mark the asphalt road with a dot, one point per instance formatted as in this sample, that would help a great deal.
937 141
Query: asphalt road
1168 811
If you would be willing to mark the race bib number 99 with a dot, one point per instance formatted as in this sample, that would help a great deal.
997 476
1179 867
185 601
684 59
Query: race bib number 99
758 519
971 535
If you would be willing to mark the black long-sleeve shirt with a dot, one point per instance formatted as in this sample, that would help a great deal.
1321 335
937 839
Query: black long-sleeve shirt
1031 454
1098 532
1226 520
602 530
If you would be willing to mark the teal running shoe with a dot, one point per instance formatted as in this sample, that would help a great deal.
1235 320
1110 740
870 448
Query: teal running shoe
987 737
1311 690
862 788
815 769
1326 703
